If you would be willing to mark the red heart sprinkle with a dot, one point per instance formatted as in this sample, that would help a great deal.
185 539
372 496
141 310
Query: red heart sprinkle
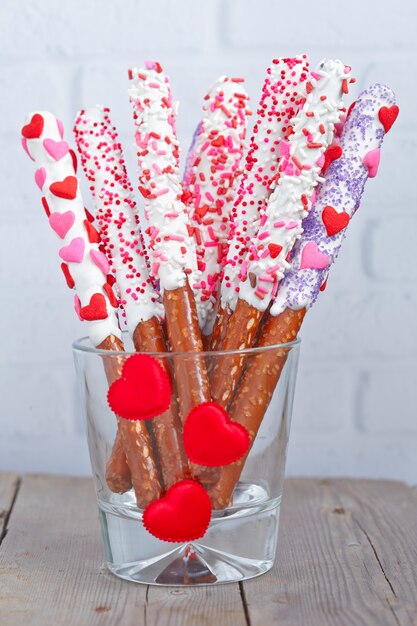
34 129
387 116
95 310
211 438
46 207
331 154
89 216
93 236
323 285
274 250
111 279
182 514
66 188
67 274
143 390
110 294
334 221
74 160
349 111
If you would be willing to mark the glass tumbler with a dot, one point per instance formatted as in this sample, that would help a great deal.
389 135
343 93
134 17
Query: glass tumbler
241 539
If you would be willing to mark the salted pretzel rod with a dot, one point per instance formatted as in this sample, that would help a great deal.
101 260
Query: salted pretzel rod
118 221
172 252
299 172
283 93
85 267
324 230
209 183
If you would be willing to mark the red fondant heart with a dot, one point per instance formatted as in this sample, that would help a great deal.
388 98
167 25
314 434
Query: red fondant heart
211 438
74 160
67 274
274 249
387 116
96 309
331 154
66 188
334 221
143 391
92 234
110 294
34 129
46 207
182 514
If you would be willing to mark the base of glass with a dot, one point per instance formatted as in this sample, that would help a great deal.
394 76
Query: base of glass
240 543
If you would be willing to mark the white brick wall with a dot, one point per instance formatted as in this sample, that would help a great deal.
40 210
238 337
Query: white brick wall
356 407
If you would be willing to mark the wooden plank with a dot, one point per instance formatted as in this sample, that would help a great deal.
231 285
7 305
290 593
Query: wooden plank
52 572
9 483
347 556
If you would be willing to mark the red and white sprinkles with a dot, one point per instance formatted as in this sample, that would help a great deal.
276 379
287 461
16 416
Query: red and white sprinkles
209 185
117 216
85 267
172 248
283 93
302 158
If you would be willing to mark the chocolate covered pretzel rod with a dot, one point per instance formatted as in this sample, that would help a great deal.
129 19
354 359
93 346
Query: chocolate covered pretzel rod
283 93
172 252
299 172
324 230
86 267
209 181
118 221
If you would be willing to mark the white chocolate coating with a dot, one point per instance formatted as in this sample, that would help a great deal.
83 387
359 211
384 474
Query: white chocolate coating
172 248
88 276
117 217
209 186
283 92
300 166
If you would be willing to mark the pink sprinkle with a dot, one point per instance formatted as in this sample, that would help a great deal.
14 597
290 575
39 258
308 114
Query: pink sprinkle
264 235
176 237
284 148
315 75
267 279
154 85
279 224
320 161
205 146
157 168
161 152
274 289
210 244
135 297
212 234
263 219
262 289
209 196
265 253
273 269
244 268
289 170
254 252
155 268
291 225
171 214
161 192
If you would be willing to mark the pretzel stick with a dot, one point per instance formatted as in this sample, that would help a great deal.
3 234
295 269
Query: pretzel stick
85 268
280 226
118 220
283 93
209 180
172 252
341 190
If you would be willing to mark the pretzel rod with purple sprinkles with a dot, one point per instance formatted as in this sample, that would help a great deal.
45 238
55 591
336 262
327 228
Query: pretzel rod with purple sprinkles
209 182
372 116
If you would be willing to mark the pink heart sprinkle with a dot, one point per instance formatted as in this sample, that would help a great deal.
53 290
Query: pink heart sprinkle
312 258
100 260
40 177
371 162
61 222
74 252
56 149
77 307
25 148
60 127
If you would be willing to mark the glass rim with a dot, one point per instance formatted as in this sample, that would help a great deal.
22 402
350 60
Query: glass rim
79 346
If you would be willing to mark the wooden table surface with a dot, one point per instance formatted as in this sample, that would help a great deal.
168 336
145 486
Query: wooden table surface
347 555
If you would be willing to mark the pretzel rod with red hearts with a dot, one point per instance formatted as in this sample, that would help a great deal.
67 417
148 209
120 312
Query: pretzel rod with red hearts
283 92
172 251
209 181
299 172
324 230
118 221
86 267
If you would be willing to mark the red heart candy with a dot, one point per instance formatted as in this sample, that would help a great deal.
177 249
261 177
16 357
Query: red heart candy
34 129
74 160
387 116
331 154
95 310
274 249
211 438
334 221
110 294
66 188
67 274
182 514
93 236
143 391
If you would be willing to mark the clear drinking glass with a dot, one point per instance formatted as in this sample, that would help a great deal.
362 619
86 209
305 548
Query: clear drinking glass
241 540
